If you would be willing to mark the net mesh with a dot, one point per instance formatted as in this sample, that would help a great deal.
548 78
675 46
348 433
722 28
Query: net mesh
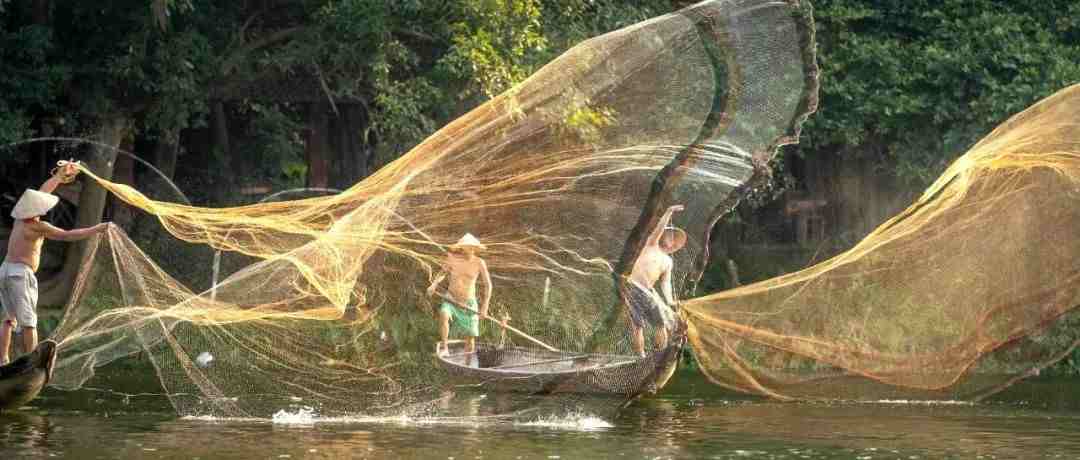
963 293
561 177
966 291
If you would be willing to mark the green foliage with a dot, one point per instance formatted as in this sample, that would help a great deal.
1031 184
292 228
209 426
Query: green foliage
923 80
493 42
587 122
28 81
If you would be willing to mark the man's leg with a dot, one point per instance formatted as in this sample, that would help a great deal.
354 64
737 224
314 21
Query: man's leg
444 331
638 338
470 347
6 328
661 337
29 339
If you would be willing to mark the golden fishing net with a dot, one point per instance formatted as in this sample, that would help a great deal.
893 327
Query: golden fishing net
561 177
966 291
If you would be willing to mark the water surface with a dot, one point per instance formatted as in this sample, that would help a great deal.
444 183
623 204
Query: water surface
692 419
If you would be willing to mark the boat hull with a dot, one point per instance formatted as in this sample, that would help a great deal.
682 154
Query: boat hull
538 371
23 379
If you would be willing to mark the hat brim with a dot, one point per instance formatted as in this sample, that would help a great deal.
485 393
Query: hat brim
34 204
478 247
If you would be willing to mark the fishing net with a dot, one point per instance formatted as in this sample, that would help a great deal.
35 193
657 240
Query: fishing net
561 177
968 290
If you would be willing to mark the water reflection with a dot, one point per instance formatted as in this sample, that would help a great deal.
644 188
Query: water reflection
689 422
25 432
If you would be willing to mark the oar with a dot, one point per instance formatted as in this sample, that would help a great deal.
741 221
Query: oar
533 363
532 339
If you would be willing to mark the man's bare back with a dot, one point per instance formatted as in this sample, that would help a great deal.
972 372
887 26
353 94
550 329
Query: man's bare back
650 266
654 264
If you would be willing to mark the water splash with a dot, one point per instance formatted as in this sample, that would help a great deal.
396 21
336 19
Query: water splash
577 422
916 402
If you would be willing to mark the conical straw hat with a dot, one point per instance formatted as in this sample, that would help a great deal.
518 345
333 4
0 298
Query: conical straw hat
468 240
680 238
33 203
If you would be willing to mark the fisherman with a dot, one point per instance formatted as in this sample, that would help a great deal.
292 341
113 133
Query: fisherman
18 285
654 264
463 266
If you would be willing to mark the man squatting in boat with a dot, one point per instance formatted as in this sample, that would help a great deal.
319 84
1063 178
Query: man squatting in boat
652 265
18 285
463 267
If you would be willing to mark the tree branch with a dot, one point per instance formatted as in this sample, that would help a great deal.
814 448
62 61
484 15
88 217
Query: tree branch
417 35
234 59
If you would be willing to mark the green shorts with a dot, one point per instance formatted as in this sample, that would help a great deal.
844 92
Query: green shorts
463 320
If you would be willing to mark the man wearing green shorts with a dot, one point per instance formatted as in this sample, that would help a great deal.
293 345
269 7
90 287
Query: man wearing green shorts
462 268
465 321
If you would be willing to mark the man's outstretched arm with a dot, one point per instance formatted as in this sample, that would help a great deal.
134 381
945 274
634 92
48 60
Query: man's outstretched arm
63 175
53 233
658 231
435 284
485 278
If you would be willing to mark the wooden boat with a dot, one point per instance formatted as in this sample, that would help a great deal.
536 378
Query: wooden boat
541 371
22 379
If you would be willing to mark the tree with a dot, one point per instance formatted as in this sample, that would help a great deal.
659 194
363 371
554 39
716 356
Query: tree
920 81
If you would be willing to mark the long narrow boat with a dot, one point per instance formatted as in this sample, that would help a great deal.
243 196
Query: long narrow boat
23 379
540 371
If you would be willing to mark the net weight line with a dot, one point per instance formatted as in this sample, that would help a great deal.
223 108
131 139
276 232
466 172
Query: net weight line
515 330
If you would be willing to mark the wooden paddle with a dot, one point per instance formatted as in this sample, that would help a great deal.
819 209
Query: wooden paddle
532 339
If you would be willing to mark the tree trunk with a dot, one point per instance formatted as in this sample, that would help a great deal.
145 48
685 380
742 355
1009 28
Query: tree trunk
365 143
124 173
165 153
221 128
317 148
56 290
352 146
41 12
224 184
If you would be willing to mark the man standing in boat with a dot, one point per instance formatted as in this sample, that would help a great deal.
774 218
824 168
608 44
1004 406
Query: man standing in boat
654 264
464 267
18 285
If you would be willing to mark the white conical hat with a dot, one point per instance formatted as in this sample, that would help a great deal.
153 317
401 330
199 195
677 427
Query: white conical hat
33 203
469 240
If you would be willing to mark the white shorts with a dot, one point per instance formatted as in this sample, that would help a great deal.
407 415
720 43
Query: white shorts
18 294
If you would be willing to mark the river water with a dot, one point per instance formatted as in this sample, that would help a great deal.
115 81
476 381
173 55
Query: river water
691 419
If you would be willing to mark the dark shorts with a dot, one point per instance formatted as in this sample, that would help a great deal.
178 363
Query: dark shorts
646 308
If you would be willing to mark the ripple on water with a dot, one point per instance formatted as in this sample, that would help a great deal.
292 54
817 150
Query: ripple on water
307 416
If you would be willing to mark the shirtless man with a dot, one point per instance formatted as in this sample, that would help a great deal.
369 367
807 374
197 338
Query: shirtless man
463 267
18 285
652 265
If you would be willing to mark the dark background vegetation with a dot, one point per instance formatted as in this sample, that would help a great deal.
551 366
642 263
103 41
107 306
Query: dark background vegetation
236 100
